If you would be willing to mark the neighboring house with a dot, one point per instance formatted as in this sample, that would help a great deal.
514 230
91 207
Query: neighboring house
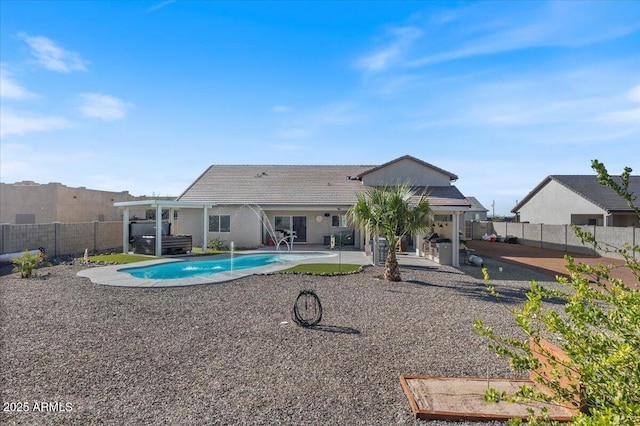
28 202
310 201
577 199
477 212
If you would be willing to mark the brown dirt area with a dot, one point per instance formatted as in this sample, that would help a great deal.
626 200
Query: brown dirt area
546 261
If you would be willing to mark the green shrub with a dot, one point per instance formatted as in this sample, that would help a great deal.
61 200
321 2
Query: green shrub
216 244
26 264
598 329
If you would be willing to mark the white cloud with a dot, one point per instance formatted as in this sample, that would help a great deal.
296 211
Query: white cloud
10 89
52 57
623 116
402 39
629 115
286 147
280 108
294 133
104 107
20 124
310 123
160 5
634 94
456 34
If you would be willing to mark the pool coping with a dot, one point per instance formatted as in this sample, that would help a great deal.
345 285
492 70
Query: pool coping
112 276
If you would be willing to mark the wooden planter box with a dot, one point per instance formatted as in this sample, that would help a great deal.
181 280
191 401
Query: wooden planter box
462 398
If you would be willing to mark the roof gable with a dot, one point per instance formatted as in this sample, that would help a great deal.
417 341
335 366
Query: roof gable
450 175
588 187
476 206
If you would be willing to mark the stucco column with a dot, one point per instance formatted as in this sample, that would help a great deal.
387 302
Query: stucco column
455 240
125 230
417 243
205 228
172 227
158 230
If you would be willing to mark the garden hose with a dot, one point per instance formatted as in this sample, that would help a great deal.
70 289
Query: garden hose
307 310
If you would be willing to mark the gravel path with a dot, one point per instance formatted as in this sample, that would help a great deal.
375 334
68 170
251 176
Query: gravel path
223 354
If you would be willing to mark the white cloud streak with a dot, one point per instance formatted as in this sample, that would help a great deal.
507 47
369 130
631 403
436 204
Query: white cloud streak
20 124
403 38
280 108
312 123
103 107
52 57
630 115
568 24
10 89
160 5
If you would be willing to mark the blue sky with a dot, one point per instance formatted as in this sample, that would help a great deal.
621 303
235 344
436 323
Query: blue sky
144 95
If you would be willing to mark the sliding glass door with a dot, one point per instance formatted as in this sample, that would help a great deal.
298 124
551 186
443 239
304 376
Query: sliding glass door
297 224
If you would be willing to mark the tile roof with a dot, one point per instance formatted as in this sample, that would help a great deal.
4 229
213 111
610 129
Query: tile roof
444 196
476 206
300 185
276 185
588 187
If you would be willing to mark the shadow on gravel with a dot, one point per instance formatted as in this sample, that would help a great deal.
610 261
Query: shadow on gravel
335 329
427 269
506 295
6 269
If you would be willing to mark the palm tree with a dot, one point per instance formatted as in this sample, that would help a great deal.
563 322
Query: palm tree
392 213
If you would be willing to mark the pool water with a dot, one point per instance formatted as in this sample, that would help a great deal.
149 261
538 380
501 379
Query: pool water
197 268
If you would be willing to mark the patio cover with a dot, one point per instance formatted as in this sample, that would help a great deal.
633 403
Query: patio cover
159 205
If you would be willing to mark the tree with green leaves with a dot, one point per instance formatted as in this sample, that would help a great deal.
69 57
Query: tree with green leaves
598 329
391 212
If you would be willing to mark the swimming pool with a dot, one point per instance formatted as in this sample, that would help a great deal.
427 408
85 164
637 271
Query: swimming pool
198 268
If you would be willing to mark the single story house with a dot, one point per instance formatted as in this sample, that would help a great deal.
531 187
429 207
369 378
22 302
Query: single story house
577 199
254 202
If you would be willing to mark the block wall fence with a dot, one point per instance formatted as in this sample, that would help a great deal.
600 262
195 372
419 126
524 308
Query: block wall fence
61 238
73 238
559 237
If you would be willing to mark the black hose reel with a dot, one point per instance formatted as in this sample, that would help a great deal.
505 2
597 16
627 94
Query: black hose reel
307 310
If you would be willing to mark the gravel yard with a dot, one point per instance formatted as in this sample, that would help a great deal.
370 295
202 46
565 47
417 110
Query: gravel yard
229 353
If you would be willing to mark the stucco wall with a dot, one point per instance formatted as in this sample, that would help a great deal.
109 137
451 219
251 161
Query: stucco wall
39 200
554 204
54 202
80 204
190 223
246 226
403 171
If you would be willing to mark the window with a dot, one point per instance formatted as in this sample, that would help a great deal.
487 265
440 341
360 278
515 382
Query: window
339 220
25 218
283 223
219 223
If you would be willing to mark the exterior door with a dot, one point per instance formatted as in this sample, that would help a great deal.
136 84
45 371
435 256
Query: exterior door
300 228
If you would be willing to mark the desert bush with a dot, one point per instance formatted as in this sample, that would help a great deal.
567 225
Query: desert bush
598 329
26 264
